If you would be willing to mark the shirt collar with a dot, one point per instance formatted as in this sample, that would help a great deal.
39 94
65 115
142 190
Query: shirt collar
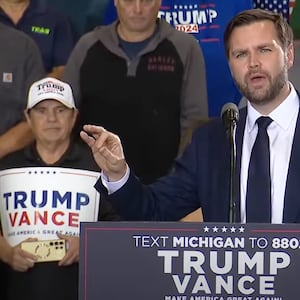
72 154
281 115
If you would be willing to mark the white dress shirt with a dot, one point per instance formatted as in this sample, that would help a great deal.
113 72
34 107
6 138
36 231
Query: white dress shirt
113 186
281 134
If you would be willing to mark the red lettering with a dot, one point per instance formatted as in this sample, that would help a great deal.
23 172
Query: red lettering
54 218
24 219
13 219
58 218
195 28
38 217
73 219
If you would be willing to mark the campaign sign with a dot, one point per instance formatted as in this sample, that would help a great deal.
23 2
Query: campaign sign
43 201
189 261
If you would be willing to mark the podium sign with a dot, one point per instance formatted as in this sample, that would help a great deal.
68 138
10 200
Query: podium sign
189 261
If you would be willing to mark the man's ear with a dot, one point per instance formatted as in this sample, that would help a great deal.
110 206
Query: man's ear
75 116
290 55
26 114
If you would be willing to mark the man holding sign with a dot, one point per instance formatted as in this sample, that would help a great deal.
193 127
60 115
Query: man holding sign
46 191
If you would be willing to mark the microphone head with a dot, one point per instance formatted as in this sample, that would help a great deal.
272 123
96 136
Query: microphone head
229 114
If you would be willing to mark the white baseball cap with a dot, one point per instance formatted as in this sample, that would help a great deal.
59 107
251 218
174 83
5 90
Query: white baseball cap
50 89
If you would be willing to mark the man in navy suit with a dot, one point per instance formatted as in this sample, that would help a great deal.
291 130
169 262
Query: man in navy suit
259 47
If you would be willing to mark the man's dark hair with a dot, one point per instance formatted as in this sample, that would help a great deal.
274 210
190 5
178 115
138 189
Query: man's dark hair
247 17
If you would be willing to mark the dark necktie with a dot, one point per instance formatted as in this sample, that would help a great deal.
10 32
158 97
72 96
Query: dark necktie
258 198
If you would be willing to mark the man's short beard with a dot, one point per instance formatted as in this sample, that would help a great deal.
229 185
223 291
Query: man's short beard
276 86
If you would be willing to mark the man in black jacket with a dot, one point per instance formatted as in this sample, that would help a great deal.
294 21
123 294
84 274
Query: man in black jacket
51 114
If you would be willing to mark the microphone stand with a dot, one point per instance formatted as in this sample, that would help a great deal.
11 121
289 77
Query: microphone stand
231 137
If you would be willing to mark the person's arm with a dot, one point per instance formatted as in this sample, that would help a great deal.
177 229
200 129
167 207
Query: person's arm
57 72
5 250
15 257
168 199
107 150
194 103
33 66
20 135
15 138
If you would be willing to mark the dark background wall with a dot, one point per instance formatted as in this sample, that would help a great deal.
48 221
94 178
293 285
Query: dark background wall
84 14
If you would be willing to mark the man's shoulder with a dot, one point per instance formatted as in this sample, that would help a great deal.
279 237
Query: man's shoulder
14 160
89 38
7 32
214 131
211 132
16 41
102 34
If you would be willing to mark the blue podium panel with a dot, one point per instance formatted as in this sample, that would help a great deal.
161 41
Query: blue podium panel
189 261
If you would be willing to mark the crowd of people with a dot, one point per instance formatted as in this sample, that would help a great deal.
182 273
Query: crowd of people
121 102
260 51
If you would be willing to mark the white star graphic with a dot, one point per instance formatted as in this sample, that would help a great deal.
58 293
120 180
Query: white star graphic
224 229
241 229
232 229
215 229
206 229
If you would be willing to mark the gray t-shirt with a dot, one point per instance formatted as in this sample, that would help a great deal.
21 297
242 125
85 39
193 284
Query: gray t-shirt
20 65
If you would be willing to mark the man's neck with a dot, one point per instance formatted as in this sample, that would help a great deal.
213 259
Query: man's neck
50 152
14 8
266 109
136 36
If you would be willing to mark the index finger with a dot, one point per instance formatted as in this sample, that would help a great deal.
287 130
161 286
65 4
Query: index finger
93 130
90 140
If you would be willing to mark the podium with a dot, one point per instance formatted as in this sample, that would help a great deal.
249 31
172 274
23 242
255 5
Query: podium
189 261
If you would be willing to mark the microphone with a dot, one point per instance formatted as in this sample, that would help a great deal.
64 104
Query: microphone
230 117
229 114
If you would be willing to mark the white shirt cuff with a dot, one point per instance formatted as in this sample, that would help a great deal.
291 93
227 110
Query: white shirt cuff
113 186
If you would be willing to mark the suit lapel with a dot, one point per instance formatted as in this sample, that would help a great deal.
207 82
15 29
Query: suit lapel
292 191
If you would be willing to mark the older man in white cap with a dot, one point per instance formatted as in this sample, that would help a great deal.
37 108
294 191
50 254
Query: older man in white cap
51 114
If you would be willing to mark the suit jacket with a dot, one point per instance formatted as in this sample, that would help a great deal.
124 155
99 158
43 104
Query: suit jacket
201 178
